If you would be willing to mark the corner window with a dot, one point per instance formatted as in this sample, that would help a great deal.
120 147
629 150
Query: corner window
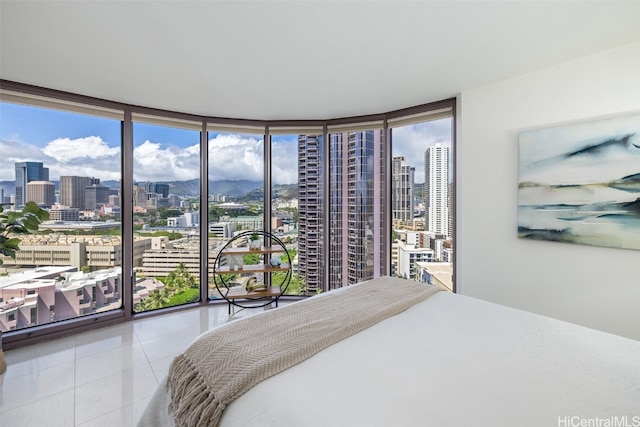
69 163
422 200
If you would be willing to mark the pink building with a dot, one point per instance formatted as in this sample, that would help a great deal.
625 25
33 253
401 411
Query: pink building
34 297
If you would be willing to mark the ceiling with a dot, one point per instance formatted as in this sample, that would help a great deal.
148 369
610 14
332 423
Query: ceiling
274 60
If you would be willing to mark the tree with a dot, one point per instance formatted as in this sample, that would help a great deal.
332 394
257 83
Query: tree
297 285
185 297
180 279
157 299
251 259
292 254
18 222
225 278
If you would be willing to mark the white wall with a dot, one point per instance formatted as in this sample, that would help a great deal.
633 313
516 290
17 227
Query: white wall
591 286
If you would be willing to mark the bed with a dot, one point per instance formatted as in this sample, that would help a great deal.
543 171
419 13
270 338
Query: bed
445 360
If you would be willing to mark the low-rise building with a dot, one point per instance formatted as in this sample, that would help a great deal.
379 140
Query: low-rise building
77 251
43 295
435 273
408 256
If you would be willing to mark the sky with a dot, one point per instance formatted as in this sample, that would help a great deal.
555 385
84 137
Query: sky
75 144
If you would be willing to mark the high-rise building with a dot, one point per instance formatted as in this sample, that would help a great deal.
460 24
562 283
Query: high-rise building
43 193
355 216
162 189
450 203
95 196
139 195
436 189
154 187
310 171
25 173
402 190
72 190
364 206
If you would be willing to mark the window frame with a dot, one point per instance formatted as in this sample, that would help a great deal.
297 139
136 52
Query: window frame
15 92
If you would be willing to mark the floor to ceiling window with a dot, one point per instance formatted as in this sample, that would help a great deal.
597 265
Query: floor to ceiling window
350 200
296 208
356 205
166 214
69 164
236 191
422 198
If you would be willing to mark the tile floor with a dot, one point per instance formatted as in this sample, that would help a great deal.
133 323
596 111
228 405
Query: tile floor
99 378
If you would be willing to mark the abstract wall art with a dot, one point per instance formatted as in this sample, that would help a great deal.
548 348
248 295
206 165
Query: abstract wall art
580 183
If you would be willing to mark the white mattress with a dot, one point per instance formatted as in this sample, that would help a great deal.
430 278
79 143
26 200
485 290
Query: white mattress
449 361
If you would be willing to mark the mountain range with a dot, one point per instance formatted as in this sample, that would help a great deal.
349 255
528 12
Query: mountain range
236 189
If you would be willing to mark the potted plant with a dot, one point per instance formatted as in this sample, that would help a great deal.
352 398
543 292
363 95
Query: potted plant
255 242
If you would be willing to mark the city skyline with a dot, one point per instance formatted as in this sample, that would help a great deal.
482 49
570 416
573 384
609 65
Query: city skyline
71 144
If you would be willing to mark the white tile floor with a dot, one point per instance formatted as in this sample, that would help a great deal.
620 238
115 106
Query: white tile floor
99 378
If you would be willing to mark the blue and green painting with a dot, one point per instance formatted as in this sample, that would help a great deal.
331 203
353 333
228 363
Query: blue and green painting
580 183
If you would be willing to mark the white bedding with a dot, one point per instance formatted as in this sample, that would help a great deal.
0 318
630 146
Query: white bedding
449 361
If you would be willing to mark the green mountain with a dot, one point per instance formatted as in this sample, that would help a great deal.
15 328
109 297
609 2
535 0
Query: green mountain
281 191
235 189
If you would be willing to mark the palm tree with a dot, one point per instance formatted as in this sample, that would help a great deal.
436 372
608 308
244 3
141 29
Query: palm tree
157 299
180 279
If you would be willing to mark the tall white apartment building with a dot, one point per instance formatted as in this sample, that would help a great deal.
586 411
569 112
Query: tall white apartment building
436 189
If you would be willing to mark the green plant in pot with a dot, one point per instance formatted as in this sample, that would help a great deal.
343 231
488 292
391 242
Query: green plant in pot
14 223
255 242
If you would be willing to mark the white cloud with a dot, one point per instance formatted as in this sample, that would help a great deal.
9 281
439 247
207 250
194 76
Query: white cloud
153 162
231 156
284 164
15 151
236 157
66 150
88 156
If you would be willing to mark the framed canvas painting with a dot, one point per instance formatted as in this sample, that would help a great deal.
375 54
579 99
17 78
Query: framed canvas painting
580 183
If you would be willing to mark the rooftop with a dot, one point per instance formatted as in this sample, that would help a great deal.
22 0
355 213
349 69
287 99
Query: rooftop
33 274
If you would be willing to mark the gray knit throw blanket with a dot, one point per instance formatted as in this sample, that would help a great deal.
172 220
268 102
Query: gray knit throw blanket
227 361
